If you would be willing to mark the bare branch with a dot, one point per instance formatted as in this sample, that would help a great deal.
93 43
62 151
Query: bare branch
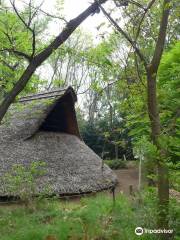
138 70
17 53
124 3
19 16
33 42
45 13
133 43
143 16
137 4
27 25
30 13
36 9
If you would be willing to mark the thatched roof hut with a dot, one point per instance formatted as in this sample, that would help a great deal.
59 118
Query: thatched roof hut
43 127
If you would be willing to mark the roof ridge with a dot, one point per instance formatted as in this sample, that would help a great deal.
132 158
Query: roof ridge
47 94
42 93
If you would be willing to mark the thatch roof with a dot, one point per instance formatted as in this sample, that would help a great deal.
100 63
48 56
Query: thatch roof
41 128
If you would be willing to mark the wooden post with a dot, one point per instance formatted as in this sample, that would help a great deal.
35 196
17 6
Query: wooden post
140 172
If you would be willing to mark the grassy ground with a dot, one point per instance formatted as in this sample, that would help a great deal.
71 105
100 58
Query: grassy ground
93 218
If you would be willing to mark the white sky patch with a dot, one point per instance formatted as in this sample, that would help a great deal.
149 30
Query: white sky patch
72 8
75 7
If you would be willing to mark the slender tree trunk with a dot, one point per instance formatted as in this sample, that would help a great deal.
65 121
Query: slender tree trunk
116 152
151 71
153 111
19 86
153 106
162 170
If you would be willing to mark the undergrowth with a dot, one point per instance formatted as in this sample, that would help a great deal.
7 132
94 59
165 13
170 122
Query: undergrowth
116 164
93 218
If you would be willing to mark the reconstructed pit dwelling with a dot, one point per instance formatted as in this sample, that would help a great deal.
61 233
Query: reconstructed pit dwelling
43 127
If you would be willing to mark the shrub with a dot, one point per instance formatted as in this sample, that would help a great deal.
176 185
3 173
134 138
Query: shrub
174 176
21 181
116 164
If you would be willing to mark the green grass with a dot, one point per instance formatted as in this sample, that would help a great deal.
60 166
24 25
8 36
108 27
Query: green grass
93 218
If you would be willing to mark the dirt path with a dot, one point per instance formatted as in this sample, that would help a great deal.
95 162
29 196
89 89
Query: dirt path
127 177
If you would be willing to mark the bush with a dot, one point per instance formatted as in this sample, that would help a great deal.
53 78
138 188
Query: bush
174 176
22 181
116 164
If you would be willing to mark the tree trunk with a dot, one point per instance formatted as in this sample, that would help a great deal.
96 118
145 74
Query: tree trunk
162 170
116 152
19 86
151 71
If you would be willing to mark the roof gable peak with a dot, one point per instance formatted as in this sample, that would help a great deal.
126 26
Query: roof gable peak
56 93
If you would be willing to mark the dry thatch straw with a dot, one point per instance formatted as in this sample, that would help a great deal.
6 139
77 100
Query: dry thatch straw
44 128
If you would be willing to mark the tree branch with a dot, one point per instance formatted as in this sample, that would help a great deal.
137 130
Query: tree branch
46 13
161 37
11 67
133 44
19 16
137 4
27 25
17 53
143 16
